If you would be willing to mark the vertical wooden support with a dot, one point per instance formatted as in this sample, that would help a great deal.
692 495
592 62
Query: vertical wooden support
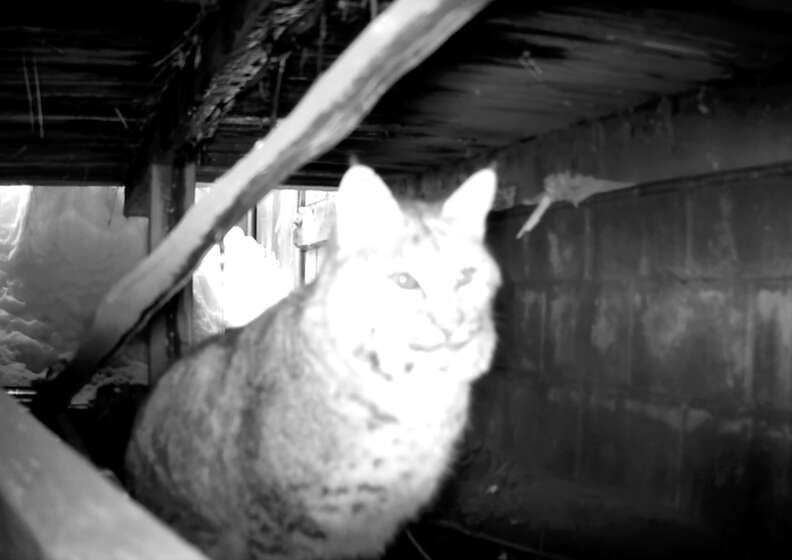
252 223
160 178
184 198
172 192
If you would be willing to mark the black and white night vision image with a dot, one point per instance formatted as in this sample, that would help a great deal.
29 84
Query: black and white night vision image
395 280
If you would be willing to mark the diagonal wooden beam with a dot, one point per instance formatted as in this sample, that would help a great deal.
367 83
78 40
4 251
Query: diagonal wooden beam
392 44
225 54
53 504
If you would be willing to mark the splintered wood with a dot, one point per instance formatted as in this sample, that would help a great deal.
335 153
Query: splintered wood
395 42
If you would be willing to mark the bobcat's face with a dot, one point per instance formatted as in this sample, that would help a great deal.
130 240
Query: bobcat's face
420 282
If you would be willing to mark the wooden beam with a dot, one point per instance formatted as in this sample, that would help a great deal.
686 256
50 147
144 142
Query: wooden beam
185 198
316 224
54 504
395 42
160 189
233 47
694 134
171 193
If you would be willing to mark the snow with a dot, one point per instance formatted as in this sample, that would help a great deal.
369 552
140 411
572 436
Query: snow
233 287
62 248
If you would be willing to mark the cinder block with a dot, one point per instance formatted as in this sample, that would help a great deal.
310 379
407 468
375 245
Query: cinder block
519 421
736 478
632 445
604 450
564 350
662 215
554 250
559 429
690 342
610 334
616 233
711 232
763 226
771 340
530 417
519 314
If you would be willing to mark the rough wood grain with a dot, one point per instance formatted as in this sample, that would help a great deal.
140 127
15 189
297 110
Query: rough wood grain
234 46
172 192
316 224
54 505
396 41
688 135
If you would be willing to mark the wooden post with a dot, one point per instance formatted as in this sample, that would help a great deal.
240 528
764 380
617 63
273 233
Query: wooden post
185 198
160 192
172 192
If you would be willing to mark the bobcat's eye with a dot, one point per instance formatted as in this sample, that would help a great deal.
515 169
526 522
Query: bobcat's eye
405 281
465 276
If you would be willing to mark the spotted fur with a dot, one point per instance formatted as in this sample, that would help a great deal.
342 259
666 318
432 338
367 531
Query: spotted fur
320 428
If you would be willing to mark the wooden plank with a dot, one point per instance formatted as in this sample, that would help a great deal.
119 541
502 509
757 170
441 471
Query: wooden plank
185 196
55 505
160 191
316 224
236 43
275 216
171 192
694 134
395 42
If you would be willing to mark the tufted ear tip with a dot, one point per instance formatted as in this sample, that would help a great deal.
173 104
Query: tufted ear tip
359 175
472 201
365 208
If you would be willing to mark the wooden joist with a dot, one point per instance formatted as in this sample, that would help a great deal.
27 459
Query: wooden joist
229 51
171 193
395 42
695 134
315 225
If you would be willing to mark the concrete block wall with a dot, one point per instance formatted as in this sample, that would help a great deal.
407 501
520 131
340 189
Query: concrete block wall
641 400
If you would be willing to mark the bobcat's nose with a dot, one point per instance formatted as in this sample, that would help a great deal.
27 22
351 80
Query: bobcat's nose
447 319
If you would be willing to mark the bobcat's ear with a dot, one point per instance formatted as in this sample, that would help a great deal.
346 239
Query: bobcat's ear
366 211
469 205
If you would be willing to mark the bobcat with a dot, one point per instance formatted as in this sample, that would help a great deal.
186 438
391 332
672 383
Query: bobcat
317 430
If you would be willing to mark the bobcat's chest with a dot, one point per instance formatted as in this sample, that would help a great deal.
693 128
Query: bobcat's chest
388 473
